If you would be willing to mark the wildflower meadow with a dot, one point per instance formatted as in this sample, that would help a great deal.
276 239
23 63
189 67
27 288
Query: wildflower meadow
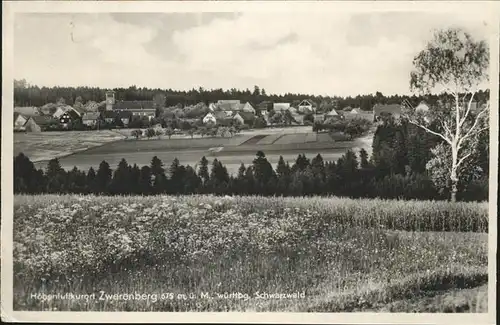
208 253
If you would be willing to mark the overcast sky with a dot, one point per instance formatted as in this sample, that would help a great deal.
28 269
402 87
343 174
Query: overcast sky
323 54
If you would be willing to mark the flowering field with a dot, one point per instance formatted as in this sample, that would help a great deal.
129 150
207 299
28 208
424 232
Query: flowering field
204 253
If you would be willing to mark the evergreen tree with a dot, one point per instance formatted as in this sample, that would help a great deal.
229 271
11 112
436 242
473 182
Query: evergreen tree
145 181
250 181
25 175
103 178
363 156
56 177
158 174
91 179
177 175
240 183
263 172
135 177
121 182
191 180
203 170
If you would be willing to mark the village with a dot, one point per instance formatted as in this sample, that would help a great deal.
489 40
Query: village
116 114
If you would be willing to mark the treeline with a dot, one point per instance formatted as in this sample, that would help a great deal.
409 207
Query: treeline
31 95
351 175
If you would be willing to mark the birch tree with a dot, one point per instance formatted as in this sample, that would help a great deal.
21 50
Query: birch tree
455 63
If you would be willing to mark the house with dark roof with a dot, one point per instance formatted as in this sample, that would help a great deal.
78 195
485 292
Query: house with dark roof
142 108
40 123
244 117
381 110
19 121
125 117
266 105
109 116
69 118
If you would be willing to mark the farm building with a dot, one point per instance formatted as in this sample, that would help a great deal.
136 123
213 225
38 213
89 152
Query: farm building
137 107
91 119
27 111
380 110
280 107
19 121
265 106
109 116
40 123
68 118
244 118
306 106
332 113
61 109
357 113
232 106
125 117
210 119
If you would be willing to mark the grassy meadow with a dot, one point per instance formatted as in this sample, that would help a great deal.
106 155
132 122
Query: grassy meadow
206 253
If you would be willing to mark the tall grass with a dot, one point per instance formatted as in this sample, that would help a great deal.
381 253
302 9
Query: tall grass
324 249
388 214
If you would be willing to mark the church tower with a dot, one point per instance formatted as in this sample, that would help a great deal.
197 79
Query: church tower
110 100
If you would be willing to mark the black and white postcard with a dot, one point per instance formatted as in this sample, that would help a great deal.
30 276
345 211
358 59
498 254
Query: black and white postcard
220 161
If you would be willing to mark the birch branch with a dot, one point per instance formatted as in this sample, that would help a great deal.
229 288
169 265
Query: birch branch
432 132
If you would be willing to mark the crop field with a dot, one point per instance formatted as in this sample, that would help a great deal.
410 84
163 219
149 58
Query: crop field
47 145
206 253
232 151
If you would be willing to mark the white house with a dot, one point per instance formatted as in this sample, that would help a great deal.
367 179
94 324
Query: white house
19 122
332 113
247 107
307 106
59 112
422 107
280 107
209 119
63 109
239 118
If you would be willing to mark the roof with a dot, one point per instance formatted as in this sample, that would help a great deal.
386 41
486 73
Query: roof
390 108
134 104
422 107
90 116
310 101
220 115
333 112
228 101
281 106
125 114
27 111
16 115
265 104
109 114
72 113
43 120
230 106
247 116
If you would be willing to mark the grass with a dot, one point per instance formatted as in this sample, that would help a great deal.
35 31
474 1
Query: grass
335 254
